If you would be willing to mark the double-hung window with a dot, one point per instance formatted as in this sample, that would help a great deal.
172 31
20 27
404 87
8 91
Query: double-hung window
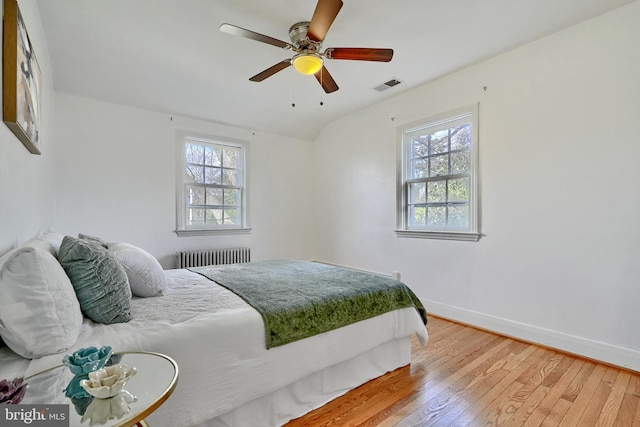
211 185
438 177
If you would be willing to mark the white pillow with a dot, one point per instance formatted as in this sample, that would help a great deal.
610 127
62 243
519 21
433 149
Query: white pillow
53 238
6 256
37 241
39 311
145 273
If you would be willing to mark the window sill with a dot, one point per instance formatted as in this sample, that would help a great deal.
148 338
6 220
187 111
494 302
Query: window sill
441 235
212 232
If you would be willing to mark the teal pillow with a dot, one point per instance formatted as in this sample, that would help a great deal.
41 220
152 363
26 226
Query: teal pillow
100 282
93 239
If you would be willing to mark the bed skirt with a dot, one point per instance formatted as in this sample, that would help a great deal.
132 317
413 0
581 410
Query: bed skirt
315 390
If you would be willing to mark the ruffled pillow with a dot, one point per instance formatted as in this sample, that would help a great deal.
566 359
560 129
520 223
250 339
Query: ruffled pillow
93 239
100 282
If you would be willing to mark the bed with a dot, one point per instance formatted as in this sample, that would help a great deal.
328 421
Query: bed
228 376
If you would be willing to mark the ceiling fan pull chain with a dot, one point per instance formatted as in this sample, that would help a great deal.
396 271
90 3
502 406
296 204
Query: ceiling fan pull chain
293 97
321 92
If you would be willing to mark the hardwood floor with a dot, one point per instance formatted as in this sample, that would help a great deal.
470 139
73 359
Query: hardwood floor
468 377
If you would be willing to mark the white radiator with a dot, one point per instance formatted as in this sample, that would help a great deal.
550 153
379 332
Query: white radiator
186 259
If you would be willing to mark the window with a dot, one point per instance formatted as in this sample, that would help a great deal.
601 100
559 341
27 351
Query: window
211 185
437 177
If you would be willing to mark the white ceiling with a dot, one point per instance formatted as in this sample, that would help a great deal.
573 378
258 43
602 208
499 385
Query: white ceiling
169 56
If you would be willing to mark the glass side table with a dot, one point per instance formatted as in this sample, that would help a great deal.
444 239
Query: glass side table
154 382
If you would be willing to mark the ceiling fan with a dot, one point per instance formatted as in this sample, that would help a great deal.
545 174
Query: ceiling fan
306 42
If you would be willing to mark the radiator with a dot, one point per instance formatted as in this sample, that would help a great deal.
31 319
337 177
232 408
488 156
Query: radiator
185 259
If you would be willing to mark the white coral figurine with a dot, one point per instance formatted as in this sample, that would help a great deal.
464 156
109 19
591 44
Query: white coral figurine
108 381
102 410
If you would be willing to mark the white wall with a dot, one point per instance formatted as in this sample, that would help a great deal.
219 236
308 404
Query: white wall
559 262
26 180
116 173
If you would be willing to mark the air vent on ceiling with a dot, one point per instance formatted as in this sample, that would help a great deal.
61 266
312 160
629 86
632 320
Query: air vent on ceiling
389 84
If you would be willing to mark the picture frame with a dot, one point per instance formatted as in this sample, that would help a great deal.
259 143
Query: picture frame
21 80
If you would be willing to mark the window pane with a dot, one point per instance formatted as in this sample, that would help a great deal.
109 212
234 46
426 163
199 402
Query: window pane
195 195
460 162
194 153
229 177
417 216
212 156
459 216
214 216
438 161
231 197
437 191
420 168
214 196
212 175
461 138
417 192
193 174
439 165
440 142
437 216
230 158
195 216
459 190
231 216
420 147
212 183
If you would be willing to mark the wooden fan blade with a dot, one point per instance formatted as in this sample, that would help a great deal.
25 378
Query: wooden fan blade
271 71
326 81
248 34
359 54
326 11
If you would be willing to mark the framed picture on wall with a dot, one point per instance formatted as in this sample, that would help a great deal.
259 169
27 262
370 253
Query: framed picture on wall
21 87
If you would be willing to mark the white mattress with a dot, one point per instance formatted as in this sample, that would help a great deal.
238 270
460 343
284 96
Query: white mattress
218 342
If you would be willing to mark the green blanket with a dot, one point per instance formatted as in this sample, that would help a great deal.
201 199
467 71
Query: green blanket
299 299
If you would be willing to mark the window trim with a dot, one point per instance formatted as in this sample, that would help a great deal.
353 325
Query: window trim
181 228
402 193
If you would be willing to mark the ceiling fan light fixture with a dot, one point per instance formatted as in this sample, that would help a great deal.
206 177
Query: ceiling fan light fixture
307 63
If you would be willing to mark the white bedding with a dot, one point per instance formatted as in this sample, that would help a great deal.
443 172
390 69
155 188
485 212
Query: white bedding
218 342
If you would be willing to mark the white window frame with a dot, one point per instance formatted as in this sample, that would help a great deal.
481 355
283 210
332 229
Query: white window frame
183 137
433 124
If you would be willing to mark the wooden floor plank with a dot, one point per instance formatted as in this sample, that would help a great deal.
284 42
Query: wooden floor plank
610 409
583 398
440 379
437 406
489 402
500 409
466 377
534 392
578 382
636 419
528 407
477 383
557 388
599 397
557 413
630 402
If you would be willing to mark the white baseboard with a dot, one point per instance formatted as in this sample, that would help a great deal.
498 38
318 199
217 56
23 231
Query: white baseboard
596 350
